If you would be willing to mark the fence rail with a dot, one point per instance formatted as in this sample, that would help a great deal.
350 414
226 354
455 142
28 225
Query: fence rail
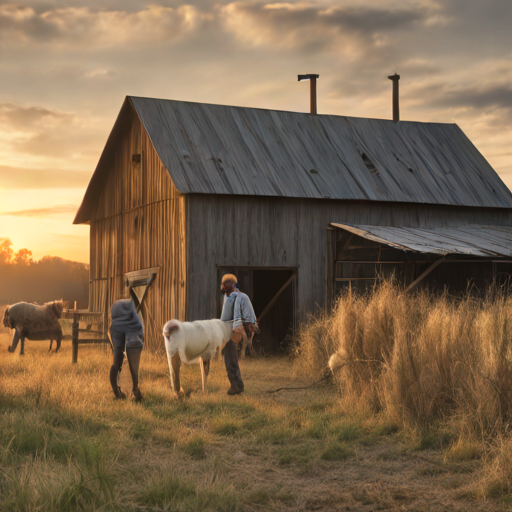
83 322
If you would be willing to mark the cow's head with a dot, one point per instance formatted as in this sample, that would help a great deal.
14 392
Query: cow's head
56 307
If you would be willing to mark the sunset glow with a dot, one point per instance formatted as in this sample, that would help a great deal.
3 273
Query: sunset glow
67 68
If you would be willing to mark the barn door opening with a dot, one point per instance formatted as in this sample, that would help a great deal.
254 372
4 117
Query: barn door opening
272 292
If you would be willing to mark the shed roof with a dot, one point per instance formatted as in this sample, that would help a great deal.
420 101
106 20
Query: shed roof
216 149
486 241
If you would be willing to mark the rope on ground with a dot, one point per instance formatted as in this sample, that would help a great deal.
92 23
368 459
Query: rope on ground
324 378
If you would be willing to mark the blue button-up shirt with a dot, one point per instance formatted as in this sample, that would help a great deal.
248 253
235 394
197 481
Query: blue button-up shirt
237 307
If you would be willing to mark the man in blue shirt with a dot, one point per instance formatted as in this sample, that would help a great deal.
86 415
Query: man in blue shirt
237 308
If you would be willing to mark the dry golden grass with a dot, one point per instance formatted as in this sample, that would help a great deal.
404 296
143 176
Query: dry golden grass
438 368
65 444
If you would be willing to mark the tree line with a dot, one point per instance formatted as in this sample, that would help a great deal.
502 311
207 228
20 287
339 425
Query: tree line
51 278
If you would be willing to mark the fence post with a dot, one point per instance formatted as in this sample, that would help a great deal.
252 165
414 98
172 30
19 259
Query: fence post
75 338
104 327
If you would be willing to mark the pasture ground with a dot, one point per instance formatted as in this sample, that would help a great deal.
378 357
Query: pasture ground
65 444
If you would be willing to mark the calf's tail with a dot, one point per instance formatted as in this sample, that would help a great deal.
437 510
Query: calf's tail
170 327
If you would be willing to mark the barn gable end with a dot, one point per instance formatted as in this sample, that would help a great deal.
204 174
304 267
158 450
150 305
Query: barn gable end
137 219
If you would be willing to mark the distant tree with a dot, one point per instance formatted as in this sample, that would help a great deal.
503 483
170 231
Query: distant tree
6 252
23 257
24 279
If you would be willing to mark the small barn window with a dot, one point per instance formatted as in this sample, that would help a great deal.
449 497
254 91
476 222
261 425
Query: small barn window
136 158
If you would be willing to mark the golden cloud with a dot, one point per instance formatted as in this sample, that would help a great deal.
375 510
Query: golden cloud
347 29
44 212
99 28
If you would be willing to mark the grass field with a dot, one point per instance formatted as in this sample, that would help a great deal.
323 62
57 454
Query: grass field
65 444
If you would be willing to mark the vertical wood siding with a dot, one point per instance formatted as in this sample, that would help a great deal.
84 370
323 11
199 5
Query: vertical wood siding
139 223
258 231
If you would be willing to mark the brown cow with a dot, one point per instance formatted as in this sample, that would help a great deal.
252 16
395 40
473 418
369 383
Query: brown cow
34 322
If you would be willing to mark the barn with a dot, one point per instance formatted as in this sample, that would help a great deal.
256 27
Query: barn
299 206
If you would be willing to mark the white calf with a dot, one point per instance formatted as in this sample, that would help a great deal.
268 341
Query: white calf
193 342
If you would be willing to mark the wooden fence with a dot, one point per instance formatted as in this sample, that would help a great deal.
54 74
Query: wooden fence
88 328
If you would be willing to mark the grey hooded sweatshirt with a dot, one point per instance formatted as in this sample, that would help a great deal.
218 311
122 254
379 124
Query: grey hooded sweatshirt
125 318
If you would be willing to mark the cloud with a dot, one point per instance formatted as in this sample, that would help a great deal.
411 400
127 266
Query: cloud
100 73
98 27
32 129
45 212
350 30
499 96
284 25
19 178
492 100
36 137
18 116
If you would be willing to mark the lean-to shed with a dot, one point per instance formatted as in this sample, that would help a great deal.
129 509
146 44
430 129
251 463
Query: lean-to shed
297 205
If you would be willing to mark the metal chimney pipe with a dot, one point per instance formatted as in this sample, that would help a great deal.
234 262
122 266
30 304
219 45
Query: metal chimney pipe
396 109
312 91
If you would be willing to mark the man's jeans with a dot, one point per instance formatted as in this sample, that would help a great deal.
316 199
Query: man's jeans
231 362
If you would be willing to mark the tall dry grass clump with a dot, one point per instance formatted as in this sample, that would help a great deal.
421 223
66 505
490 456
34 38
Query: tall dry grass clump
418 359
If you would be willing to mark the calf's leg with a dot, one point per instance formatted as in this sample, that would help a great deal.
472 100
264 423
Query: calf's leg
250 345
51 343
243 347
58 340
22 345
14 344
205 370
174 368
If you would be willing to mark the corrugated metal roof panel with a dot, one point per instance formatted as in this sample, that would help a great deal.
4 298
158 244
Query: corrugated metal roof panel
215 149
486 241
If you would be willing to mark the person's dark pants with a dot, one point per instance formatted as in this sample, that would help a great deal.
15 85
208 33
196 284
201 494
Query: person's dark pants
231 362
133 345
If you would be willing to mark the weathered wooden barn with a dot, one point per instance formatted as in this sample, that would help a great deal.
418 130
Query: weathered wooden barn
297 205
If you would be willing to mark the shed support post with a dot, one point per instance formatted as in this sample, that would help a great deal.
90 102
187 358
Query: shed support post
425 274
104 327
74 356
330 268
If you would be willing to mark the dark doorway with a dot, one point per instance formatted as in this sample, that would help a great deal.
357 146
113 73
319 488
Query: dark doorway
272 293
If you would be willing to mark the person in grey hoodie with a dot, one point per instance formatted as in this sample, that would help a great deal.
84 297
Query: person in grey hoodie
126 333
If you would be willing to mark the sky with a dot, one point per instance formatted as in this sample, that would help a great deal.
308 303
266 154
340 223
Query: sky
66 67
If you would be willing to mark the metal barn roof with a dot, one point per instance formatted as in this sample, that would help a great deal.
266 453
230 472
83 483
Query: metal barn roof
487 241
214 149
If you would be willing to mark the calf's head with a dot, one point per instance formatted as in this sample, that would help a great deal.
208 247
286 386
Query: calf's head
55 307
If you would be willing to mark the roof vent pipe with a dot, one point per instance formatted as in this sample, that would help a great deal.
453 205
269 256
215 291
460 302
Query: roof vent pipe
396 110
312 79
